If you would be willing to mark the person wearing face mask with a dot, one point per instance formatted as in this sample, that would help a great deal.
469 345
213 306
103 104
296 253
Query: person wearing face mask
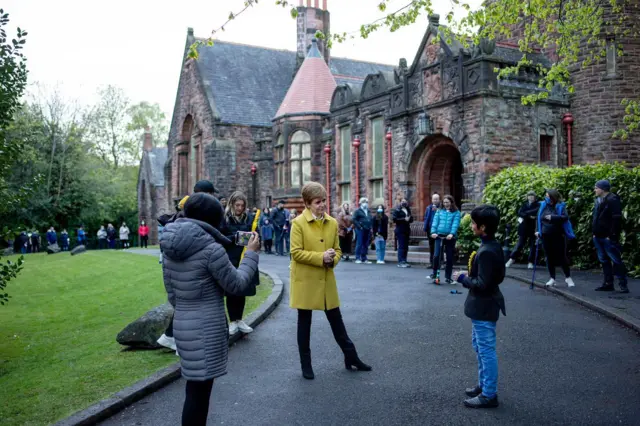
315 252
402 218
380 232
279 221
554 228
362 221
345 231
429 214
444 230
143 232
526 229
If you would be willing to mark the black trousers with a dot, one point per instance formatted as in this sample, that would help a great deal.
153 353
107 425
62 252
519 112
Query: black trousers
268 244
144 240
522 242
432 250
235 307
337 328
555 247
196 403
169 331
449 247
345 244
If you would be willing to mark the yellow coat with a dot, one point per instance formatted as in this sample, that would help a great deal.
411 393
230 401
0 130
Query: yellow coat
313 286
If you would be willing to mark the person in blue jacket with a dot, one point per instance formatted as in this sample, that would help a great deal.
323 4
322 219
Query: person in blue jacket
444 229
363 222
554 228
266 230
52 237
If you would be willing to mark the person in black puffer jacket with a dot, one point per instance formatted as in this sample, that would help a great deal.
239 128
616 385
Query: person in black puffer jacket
526 230
197 273
237 219
484 304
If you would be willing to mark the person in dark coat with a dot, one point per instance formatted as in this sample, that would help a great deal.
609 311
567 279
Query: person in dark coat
403 219
35 242
607 225
362 222
380 230
237 219
266 231
484 304
111 236
52 237
64 236
23 242
429 214
526 229
197 272
279 221
554 228
345 230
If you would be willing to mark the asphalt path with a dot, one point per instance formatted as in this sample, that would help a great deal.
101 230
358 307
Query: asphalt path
560 364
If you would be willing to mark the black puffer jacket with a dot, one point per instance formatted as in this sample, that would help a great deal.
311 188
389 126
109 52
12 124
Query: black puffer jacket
234 251
528 213
197 272
607 217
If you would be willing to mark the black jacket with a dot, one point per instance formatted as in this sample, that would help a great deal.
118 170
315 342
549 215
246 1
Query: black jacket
362 220
529 213
607 217
485 301
377 223
399 218
234 251
278 218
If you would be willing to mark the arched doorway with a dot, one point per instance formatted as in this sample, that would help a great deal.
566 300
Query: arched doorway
436 166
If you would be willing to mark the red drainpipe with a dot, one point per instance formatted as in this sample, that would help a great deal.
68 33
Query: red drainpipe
389 137
356 147
327 152
567 119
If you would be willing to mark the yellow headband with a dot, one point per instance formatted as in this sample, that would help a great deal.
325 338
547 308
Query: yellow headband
182 202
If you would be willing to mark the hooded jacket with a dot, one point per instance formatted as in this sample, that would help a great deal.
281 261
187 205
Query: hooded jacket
197 273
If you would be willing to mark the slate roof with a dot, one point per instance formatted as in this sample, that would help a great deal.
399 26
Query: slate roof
157 159
247 84
312 87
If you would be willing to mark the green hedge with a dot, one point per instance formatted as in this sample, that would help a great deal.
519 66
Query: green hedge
507 190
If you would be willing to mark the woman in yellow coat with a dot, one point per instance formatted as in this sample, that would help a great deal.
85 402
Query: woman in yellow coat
315 251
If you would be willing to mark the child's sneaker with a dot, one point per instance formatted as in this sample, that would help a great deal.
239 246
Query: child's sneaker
550 283
570 282
530 265
482 401
509 263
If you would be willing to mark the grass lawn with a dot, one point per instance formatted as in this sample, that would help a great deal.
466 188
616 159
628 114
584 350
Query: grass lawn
59 352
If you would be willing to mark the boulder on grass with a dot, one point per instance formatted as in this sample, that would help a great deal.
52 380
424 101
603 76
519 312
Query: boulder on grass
78 250
8 251
143 332
53 249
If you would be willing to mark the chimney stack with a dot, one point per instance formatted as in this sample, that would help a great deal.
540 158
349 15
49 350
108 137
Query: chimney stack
313 16
147 145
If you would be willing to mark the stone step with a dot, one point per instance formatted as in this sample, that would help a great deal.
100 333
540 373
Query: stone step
412 257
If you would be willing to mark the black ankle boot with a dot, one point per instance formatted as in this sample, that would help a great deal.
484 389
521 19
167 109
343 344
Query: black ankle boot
305 363
351 360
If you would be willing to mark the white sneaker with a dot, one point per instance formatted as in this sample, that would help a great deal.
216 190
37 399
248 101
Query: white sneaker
551 282
233 327
167 342
530 265
509 263
242 326
430 276
570 282
380 262
367 262
358 261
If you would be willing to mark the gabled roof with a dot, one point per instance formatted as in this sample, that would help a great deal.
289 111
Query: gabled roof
246 84
312 87
157 159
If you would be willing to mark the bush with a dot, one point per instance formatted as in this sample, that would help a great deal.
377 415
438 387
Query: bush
507 190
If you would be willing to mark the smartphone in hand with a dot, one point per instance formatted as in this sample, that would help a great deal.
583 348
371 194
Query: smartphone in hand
242 238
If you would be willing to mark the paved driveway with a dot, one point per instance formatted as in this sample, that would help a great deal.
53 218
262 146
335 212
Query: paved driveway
559 363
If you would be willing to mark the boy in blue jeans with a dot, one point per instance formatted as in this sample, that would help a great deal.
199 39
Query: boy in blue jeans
484 304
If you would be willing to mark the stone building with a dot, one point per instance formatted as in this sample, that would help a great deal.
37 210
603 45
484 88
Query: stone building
152 194
443 124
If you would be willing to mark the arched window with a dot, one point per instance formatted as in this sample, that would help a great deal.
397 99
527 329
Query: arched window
279 161
183 149
300 159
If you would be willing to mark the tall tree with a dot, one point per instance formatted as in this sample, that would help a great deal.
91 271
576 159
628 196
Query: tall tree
145 115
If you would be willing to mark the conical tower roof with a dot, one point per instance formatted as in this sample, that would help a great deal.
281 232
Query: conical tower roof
312 88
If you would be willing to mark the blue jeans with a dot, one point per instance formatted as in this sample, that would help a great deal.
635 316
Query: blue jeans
608 252
381 248
483 338
279 236
362 243
449 246
403 247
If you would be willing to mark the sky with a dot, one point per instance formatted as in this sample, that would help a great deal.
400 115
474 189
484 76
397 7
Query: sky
80 45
